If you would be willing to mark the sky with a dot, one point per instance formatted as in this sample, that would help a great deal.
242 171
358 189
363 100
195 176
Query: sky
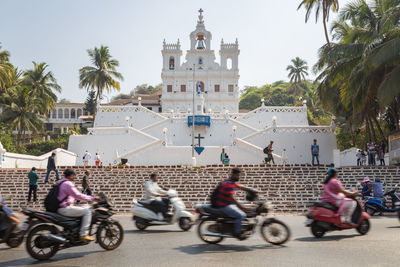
59 32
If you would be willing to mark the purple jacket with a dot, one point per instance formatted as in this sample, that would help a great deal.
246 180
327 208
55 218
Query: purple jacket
69 190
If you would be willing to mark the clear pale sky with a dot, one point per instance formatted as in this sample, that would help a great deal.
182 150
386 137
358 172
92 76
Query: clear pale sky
59 32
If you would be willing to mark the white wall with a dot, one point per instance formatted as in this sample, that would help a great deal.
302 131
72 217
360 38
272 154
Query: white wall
63 158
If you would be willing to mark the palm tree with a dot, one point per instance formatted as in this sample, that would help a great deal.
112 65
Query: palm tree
42 85
20 111
324 6
297 73
6 69
365 76
102 75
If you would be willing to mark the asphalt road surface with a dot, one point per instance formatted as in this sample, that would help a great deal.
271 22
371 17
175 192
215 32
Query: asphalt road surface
169 246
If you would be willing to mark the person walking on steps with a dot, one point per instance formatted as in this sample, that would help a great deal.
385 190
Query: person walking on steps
51 166
33 179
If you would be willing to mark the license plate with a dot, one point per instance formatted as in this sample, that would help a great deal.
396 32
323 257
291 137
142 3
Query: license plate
24 226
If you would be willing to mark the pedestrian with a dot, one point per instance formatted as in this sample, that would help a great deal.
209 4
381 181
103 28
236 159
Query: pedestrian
359 157
381 157
268 150
86 158
85 184
315 152
363 158
97 159
224 157
33 179
371 153
51 166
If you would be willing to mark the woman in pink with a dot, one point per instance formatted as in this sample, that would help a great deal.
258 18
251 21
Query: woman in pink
335 194
67 195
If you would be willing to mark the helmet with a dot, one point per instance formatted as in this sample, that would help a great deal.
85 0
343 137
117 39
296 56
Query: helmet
251 195
366 180
377 179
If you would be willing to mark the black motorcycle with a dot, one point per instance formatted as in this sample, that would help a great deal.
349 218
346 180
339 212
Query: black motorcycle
10 233
45 239
214 226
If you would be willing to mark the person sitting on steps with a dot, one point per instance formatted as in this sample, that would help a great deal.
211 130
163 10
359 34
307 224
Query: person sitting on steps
157 197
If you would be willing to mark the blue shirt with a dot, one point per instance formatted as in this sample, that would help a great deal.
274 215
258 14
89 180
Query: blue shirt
315 149
377 189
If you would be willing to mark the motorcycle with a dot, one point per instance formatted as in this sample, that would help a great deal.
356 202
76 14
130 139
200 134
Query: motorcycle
214 226
373 205
323 217
45 237
144 214
10 233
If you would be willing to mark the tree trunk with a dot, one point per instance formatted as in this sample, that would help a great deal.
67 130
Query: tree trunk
371 127
367 130
380 130
325 28
352 134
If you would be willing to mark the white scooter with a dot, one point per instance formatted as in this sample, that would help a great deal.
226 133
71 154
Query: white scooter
144 216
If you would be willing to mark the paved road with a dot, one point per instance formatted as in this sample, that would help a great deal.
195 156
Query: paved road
168 246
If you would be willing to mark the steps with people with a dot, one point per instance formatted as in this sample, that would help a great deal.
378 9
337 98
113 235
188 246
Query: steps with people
291 188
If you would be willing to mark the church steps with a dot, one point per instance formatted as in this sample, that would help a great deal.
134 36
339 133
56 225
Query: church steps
290 188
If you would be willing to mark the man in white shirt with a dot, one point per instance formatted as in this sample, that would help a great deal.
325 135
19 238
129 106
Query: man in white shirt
86 157
156 196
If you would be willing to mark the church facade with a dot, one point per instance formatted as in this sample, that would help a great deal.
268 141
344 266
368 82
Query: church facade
207 89
200 73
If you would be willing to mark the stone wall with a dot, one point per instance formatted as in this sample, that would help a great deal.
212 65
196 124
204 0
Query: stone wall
289 188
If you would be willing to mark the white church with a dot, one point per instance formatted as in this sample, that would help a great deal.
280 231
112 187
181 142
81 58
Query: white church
200 108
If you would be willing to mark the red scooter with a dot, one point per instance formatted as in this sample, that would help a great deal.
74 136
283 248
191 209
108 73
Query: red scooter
323 217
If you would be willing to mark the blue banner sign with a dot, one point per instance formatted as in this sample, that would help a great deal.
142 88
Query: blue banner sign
199 120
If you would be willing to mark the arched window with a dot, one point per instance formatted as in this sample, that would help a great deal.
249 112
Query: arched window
200 42
200 61
73 113
229 63
79 113
66 113
54 114
200 87
171 63
60 113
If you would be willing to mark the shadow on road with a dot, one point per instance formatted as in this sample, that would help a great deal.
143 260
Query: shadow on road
325 238
151 231
57 258
393 227
209 248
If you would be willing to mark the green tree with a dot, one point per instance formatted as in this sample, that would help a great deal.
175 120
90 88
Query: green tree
6 69
147 89
324 6
297 74
90 103
42 86
103 75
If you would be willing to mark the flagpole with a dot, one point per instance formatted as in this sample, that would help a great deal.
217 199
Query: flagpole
194 87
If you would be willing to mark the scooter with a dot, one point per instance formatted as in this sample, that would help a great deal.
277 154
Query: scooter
144 215
10 233
373 205
323 217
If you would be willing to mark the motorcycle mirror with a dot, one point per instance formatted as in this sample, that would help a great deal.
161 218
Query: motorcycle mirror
358 184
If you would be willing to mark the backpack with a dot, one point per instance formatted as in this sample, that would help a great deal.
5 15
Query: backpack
213 197
51 202
266 150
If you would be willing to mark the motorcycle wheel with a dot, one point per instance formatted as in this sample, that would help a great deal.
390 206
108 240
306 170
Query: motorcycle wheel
275 232
15 240
317 231
140 224
110 235
33 242
185 223
363 228
370 211
203 227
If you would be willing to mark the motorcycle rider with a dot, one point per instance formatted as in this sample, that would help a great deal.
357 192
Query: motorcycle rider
335 194
67 195
157 197
367 188
377 188
226 202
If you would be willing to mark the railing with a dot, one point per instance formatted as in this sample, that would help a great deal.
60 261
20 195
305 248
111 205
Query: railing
274 109
229 46
171 46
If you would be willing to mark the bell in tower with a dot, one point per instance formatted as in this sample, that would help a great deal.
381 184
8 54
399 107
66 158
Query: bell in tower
200 42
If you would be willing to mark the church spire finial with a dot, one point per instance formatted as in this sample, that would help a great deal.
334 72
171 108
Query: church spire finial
201 15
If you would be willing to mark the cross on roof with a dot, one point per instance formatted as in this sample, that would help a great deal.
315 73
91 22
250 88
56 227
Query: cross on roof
201 11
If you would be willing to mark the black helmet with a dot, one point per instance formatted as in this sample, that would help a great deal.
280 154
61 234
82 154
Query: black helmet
332 172
251 195
68 172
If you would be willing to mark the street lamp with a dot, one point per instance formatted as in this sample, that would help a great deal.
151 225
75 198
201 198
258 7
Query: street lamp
262 102
127 121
